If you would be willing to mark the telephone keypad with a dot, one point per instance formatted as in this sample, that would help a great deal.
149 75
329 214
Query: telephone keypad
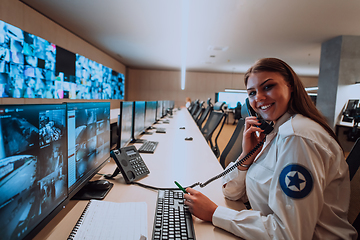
138 166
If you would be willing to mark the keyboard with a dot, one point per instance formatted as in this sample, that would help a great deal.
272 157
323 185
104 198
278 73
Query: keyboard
173 219
148 147
160 130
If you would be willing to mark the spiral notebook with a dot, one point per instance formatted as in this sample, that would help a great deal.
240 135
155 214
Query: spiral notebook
111 220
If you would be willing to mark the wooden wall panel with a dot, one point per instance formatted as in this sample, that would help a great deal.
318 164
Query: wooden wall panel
165 85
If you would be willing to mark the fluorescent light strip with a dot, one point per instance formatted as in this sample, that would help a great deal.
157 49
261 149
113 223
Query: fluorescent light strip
184 39
235 90
311 88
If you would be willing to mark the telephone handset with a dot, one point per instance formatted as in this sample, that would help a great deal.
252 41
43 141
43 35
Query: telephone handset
129 163
264 125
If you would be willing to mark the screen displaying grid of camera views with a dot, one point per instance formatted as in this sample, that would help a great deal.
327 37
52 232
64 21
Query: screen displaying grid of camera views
33 176
32 67
88 139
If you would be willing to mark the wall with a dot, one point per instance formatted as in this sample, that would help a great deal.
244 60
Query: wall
20 15
165 85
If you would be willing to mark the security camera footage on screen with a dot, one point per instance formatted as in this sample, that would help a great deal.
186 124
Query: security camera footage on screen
32 67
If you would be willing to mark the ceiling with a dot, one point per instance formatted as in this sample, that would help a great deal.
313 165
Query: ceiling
207 35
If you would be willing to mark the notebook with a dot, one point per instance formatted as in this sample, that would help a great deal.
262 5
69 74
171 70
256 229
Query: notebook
111 220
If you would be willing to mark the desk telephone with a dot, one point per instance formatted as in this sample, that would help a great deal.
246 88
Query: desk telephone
129 163
133 168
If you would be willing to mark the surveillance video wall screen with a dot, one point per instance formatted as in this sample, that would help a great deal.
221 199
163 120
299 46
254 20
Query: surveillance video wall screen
32 67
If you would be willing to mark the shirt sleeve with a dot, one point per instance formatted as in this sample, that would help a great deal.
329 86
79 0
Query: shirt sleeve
235 188
290 217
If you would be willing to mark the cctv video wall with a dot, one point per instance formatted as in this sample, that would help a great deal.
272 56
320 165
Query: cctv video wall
32 67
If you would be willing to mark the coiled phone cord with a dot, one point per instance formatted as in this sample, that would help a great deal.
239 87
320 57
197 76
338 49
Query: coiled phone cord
233 166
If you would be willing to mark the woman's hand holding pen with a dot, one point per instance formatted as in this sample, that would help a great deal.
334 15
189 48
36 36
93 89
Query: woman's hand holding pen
200 205
251 137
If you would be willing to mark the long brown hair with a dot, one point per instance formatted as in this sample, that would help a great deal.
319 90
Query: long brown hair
300 101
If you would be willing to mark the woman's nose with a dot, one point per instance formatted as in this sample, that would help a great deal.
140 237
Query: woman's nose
259 96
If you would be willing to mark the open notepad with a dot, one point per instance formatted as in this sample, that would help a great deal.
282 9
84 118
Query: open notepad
111 220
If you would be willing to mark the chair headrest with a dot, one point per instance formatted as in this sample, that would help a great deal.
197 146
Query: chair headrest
218 106
244 112
209 101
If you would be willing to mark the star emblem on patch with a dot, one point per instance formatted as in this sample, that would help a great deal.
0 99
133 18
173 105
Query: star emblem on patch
296 181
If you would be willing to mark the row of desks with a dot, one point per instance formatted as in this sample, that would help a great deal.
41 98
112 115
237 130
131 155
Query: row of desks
175 159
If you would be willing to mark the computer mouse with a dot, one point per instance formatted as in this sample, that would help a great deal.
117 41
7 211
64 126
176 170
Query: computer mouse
182 127
188 138
99 184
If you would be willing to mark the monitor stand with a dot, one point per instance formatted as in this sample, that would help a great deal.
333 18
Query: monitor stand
89 192
138 140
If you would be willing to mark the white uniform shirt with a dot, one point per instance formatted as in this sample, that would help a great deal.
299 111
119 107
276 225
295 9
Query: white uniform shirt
298 187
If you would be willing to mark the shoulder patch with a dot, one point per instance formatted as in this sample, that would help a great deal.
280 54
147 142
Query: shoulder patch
296 181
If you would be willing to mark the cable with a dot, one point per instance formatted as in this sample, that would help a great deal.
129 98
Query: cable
199 183
158 188
233 166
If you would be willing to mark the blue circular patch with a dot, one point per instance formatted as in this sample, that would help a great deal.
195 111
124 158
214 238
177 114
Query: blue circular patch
296 181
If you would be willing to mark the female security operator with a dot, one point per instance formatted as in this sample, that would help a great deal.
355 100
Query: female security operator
297 182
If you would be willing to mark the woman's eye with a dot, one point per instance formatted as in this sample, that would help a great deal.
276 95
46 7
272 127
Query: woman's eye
268 87
252 93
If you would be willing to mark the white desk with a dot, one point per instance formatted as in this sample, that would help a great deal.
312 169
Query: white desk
174 159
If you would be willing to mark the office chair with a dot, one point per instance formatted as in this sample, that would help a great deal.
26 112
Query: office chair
195 107
191 106
205 114
237 112
234 147
214 120
353 160
199 111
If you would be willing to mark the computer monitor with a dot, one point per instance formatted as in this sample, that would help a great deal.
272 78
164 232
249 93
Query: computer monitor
164 108
159 110
150 113
139 119
232 98
125 123
88 126
33 167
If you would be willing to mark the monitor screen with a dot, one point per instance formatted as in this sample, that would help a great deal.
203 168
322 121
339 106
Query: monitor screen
32 67
33 167
164 108
88 126
232 98
159 110
139 118
126 122
150 113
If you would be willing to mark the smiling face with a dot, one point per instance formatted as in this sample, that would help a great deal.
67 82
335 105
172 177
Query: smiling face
269 94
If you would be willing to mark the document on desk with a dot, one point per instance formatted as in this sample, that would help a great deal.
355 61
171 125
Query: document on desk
112 220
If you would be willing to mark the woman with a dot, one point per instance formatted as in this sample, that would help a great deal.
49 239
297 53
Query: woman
298 182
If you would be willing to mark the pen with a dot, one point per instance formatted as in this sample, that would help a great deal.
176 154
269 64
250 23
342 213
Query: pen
179 186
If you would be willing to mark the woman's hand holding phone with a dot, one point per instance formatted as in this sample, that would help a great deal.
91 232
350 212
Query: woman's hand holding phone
251 137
